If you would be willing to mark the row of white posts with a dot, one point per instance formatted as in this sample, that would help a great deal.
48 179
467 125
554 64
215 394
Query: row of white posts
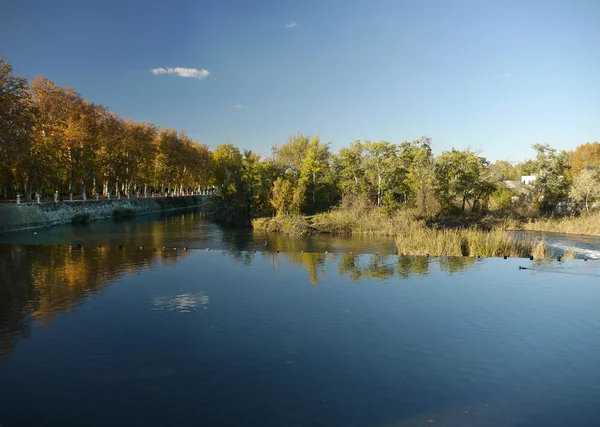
198 192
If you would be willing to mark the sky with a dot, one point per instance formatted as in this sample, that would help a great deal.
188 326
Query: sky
492 76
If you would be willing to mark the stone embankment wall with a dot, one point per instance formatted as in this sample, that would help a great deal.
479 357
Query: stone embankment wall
31 215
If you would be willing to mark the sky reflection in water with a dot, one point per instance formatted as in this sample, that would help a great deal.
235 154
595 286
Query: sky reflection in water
173 337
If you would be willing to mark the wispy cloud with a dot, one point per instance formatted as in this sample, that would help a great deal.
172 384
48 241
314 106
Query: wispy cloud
291 24
504 75
191 73
237 106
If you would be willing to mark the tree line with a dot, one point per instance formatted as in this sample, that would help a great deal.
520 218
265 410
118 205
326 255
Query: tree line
51 139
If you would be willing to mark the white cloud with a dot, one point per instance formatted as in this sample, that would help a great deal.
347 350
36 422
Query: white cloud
182 72
291 24
504 75
237 106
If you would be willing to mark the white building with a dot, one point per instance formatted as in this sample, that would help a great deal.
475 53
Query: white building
528 179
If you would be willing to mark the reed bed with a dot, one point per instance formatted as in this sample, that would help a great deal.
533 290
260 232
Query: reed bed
585 224
413 236
468 242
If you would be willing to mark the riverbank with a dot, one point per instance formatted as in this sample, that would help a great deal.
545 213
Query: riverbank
413 236
33 215
585 225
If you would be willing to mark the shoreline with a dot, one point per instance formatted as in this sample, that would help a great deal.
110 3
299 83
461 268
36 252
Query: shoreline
33 215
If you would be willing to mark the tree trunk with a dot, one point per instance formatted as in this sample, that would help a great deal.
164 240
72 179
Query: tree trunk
378 190
29 187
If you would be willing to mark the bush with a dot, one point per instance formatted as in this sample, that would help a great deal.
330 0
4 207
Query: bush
292 225
296 226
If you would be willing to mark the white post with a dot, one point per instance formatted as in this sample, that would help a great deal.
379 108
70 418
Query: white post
37 196
56 197
108 195
18 199
97 197
119 195
138 194
70 197
84 196
127 195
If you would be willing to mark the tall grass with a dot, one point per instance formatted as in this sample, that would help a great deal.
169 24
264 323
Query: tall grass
363 220
587 224
413 236
292 225
464 242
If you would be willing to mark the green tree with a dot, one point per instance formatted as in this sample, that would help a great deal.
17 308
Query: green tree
586 186
417 159
290 156
550 185
352 175
459 175
381 165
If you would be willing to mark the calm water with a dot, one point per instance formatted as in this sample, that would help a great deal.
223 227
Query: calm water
190 229
109 336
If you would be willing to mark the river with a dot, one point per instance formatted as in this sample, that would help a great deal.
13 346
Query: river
191 229
132 328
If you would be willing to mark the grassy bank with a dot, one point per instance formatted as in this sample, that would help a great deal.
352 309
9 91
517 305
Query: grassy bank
585 224
414 236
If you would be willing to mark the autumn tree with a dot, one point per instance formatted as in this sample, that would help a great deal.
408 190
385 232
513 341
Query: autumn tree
281 196
313 168
585 156
290 156
16 123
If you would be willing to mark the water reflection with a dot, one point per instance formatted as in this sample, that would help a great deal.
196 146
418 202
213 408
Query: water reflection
39 282
183 303
212 339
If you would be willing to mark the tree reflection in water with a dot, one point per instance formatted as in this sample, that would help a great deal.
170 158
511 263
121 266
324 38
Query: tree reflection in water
39 282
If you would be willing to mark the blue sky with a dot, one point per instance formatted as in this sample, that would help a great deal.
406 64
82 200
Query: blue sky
493 76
